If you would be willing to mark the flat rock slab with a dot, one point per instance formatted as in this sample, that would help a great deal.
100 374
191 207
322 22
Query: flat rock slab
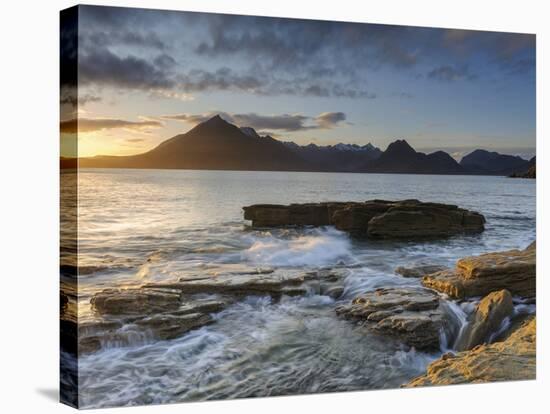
414 315
514 270
275 283
419 271
511 360
375 218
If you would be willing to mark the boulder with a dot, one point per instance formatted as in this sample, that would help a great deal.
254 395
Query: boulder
374 218
419 271
511 360
413 315
514 270
486 319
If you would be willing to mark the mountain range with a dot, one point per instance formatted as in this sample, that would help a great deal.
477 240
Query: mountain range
216 144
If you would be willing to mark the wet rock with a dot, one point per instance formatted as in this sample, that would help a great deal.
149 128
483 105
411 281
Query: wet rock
486 319
276 283
168 310
137 301
424 220
414 315
375 218
514 270
510 360
170 326
418 271
170 323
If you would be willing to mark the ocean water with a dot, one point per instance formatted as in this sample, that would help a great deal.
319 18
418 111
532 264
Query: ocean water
137 226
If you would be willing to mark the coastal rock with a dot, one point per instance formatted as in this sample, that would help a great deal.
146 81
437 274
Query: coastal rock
168 310
163 320
514 270
414 315
418 271
486 319
170 326
410 220
374 218
275 283
136 301
510 360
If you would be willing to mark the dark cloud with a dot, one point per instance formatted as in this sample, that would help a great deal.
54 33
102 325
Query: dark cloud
283 122
449 73
134 140
102 67
70 96
222 79
165 61
90 125
200 52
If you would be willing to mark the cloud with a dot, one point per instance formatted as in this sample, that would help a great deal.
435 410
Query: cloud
283 122
70 96
102 67
187 53
449 73
330 119
224 78
134 140
99 124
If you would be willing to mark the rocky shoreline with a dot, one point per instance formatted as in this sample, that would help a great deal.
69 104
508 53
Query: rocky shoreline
496 287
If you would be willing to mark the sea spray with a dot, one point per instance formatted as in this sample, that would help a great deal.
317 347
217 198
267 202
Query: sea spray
314 247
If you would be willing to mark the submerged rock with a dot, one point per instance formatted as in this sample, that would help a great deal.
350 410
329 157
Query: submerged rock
510 360
414 315
419 271
514 270
487 318
375 218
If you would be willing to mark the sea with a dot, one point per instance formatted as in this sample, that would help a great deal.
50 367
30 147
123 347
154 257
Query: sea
138 226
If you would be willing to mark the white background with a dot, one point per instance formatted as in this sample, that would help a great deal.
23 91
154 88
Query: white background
29 204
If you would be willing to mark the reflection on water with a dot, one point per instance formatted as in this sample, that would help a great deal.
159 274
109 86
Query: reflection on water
146 225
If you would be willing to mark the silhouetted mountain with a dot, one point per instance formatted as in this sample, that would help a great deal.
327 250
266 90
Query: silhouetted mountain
214 144
218 145
531 171
492 163
340 157
401 158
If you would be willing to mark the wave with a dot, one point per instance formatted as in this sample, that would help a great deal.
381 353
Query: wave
318 247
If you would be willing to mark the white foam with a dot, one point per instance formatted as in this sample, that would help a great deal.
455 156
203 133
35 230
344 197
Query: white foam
320 247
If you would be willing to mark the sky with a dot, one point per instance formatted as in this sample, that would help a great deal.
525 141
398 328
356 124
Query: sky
147 75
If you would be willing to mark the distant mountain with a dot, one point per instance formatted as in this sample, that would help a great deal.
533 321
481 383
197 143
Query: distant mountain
214 144
340 157
401 158
531 171
492 163
219 145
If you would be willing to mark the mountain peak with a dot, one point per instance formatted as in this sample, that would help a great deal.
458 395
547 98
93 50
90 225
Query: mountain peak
216 119
400 146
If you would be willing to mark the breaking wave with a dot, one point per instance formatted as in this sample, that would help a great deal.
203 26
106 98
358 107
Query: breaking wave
318 247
